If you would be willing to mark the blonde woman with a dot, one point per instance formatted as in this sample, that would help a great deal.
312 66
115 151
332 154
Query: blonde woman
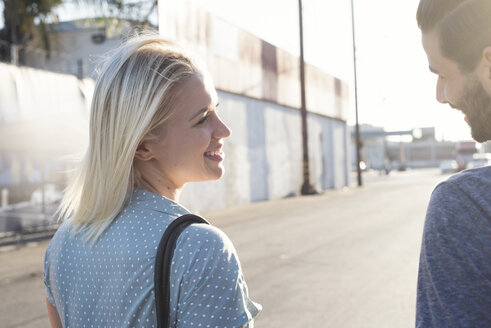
153 127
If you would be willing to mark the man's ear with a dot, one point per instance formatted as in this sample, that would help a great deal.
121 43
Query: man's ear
144 152
484 69
486 54
486 60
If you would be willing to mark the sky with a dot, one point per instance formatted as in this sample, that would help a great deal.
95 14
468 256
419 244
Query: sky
395 88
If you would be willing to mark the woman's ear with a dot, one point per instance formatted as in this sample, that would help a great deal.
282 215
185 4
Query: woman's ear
144 152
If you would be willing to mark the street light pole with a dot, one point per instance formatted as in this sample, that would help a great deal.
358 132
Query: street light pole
307 188
357 126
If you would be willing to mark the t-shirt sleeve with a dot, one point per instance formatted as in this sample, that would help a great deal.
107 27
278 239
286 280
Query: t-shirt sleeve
49 293
207 285
454 283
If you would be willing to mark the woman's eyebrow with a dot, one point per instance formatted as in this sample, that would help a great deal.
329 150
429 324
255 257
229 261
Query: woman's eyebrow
203 110
200 112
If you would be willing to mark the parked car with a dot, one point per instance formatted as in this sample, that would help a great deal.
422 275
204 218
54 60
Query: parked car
479 160
449 166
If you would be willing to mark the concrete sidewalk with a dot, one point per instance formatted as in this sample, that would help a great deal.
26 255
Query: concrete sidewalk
347 258
21 286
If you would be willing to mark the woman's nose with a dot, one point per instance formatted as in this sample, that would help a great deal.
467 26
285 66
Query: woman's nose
221 129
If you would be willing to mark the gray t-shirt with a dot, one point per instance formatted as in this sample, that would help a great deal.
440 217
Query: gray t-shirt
454 282
111 283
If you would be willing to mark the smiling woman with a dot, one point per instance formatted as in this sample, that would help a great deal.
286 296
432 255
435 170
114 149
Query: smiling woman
193 134
153 128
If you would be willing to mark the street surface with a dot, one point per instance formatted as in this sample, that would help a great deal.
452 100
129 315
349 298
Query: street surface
347 258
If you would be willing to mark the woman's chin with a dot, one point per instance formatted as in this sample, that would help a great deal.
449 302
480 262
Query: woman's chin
210 175
216 173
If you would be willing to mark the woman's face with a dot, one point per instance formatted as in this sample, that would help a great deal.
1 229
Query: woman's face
189 145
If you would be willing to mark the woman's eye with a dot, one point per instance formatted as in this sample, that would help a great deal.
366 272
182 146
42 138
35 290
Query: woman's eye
203 120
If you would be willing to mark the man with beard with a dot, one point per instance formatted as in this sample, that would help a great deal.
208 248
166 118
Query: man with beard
454 281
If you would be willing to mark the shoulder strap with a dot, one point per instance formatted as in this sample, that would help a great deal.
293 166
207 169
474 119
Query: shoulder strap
163 262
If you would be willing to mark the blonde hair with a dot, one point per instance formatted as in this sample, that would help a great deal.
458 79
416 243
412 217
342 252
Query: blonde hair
134 95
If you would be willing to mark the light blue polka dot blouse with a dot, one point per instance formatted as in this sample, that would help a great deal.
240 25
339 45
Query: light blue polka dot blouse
111 284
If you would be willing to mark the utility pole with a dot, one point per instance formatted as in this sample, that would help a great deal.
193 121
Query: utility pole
307 188
14 54
357 126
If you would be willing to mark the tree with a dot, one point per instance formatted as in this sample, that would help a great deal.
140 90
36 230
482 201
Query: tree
20 18
23 17
135 11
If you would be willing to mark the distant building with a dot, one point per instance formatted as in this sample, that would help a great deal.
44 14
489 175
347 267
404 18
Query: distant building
486 147
465 150
373 151
76 47
379 153
420 154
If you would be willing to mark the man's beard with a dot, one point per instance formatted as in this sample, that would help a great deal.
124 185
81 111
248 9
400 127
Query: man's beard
475 103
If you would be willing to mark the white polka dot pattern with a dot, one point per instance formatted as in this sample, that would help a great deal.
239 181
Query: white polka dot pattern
111 283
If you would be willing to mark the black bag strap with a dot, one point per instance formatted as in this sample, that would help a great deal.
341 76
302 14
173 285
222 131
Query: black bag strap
163 262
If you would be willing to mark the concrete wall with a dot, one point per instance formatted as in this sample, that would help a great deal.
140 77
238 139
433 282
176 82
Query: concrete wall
43 120
43 112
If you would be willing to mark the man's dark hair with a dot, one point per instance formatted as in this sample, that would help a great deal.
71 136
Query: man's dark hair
466 32
463 27
431 12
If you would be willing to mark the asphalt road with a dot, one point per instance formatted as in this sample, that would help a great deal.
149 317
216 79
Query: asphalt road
347 258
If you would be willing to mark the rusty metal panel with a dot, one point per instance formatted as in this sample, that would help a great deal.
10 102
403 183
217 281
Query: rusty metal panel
243 64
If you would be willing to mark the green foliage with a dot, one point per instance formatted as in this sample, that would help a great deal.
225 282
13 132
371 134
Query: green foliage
20 17
137 11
